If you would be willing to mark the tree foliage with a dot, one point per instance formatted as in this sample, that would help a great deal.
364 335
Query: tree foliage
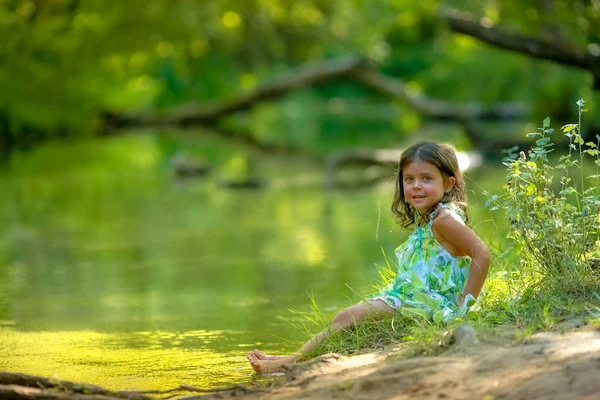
64 62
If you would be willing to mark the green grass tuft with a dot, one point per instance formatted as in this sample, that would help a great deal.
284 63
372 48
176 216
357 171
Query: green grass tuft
548 274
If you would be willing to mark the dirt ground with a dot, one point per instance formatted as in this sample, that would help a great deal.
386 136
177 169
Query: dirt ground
551 365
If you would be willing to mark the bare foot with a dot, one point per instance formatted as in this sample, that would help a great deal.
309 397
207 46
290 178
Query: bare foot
266 366
262 356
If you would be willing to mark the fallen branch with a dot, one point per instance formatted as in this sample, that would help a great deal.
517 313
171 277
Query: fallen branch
20 386
395 88
351 68
547 48
12 392
14 380
307 75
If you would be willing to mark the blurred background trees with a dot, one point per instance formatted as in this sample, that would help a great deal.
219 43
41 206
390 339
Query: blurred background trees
65 63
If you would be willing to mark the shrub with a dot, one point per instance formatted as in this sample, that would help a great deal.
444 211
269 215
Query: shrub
553 210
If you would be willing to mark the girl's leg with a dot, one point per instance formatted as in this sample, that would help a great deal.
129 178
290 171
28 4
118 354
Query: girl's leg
344 319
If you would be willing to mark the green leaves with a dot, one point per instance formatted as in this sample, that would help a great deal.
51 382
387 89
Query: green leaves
542 141
569 127
554 227
546 122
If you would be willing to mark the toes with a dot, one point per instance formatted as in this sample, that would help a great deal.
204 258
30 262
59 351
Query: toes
262 363
260 355
254 362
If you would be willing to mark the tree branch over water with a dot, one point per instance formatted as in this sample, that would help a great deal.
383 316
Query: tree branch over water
547 48
438 109
350 68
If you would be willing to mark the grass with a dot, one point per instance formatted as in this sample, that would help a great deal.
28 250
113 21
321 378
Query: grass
549 273
514 304
518 317
374 333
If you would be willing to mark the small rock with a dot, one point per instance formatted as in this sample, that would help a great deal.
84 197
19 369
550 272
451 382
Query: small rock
570 324
465 335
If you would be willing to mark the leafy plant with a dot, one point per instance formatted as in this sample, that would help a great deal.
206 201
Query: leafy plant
553 211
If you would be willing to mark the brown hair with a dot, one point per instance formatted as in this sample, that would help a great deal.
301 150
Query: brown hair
443 157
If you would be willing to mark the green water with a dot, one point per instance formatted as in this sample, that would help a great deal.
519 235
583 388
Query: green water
114 273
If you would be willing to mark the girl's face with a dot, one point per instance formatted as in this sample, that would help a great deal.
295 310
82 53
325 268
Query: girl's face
424 185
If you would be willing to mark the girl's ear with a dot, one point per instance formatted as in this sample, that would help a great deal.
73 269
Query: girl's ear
450 182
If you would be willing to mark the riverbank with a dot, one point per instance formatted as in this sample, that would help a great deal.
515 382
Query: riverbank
560 364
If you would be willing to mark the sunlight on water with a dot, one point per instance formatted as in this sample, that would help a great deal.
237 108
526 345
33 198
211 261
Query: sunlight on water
132 361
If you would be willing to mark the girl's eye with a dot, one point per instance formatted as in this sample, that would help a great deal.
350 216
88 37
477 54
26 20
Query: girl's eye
426 179
408 180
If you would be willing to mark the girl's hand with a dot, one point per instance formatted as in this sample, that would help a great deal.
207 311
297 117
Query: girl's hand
464 303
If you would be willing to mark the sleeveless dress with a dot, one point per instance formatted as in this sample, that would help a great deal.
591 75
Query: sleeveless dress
430 280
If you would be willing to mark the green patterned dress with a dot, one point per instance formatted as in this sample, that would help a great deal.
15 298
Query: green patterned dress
430 280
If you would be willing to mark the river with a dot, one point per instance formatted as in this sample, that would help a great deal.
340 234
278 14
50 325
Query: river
113 272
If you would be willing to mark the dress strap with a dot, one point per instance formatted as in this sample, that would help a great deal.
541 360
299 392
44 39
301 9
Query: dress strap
435 211
450 207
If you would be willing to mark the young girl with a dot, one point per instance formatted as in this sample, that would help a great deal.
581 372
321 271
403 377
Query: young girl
441 266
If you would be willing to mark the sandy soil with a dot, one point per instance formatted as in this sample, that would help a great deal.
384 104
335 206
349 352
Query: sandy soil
556 365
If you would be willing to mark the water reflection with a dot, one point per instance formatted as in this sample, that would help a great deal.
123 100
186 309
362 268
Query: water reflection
112 275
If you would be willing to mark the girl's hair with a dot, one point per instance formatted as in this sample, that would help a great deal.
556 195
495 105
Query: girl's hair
442 156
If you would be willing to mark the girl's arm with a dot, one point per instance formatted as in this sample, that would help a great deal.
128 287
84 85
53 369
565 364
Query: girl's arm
460 240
